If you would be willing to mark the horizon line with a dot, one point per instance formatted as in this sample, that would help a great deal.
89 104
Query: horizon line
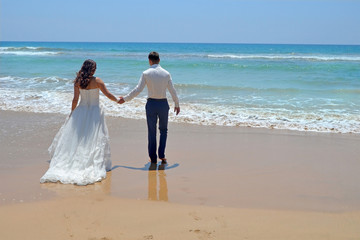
244 43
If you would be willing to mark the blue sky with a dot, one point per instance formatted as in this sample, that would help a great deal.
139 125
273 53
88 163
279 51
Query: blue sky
223 21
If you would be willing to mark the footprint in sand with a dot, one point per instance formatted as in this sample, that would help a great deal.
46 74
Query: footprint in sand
103 238
202 234
149 237
195 216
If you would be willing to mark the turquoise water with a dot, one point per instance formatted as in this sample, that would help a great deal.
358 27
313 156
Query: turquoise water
298 87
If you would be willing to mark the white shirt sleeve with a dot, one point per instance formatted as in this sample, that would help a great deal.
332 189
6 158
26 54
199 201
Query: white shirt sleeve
136 90
172 92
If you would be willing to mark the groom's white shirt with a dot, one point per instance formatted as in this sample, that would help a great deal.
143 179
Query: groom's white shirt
157 81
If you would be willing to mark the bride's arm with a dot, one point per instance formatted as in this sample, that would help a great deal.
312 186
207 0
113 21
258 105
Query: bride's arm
76 97
104 90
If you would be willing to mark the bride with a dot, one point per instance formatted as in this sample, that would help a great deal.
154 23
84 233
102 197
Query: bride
80 151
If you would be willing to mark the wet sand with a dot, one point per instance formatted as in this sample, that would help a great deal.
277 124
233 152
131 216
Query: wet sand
220 183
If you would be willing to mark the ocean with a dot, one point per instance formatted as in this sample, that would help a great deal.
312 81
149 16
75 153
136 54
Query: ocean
294 87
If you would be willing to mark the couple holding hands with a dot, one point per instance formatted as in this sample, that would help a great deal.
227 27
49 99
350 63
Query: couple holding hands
80 151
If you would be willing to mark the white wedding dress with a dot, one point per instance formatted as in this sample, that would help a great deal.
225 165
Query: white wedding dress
80 151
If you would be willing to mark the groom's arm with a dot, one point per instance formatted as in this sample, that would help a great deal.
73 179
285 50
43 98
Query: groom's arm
136 90
174 96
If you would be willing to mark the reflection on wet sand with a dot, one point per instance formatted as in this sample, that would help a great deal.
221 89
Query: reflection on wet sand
153 186
157 184
65 190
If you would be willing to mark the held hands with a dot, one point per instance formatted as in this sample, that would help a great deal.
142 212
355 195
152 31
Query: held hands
121 100
177 110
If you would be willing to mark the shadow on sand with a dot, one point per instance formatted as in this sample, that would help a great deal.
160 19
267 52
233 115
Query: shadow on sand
148 167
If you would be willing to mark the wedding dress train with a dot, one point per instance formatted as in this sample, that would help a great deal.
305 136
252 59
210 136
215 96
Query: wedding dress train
80 151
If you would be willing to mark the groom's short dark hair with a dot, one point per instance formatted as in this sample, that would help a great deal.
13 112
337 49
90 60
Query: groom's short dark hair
154 56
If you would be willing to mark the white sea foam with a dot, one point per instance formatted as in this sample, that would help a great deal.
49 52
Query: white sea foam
28 48
288 57
24 53
202 114
53 82
29 51
18 48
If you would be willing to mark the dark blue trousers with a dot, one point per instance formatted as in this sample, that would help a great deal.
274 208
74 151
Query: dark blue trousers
157 109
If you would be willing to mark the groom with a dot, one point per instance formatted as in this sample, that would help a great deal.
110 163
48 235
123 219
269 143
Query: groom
157 81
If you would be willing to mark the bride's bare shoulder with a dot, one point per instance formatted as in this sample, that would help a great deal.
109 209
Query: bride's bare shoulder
98 80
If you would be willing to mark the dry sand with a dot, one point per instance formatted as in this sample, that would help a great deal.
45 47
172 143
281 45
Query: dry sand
220 183
103 217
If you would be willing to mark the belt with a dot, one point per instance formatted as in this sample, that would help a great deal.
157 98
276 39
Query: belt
157 99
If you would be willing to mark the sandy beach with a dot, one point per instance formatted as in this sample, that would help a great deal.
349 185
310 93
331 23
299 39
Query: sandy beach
220 183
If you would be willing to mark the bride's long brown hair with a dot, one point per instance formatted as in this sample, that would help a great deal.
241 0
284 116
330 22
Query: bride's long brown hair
83 76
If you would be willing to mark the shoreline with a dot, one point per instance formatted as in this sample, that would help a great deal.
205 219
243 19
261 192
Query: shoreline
110 109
